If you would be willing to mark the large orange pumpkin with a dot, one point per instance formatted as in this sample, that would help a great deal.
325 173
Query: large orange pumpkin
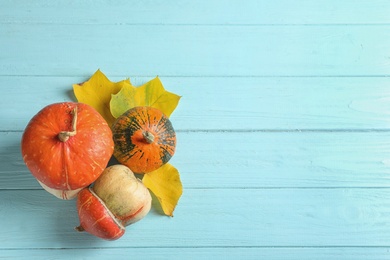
66 146
144 139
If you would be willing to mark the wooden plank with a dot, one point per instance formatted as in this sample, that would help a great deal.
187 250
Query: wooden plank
253 160
370 253
227 103
195 12
212 218
229 51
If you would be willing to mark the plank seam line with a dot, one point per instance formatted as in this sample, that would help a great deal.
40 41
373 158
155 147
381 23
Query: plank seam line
205 76
292 188
248 188
201 247
51 23
303 130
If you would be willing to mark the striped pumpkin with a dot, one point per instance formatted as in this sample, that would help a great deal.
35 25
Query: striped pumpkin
144 139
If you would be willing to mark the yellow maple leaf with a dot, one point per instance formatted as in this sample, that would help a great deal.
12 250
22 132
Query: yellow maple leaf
112 99
97 92
150 94
165 183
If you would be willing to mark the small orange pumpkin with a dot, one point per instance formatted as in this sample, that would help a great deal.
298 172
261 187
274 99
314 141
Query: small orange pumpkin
65 160
144 139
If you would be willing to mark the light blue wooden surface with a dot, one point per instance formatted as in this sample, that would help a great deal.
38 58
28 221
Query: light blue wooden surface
283 128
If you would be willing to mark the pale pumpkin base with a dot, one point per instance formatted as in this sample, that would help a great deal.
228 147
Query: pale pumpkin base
61 194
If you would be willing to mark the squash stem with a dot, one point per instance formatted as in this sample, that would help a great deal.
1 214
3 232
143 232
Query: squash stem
64 135
148 136
79 229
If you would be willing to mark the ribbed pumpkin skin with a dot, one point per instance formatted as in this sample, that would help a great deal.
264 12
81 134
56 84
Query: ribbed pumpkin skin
72 164
131 148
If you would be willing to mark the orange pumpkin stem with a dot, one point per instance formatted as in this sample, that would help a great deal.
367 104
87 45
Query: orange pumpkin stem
79 229
64 135
148 136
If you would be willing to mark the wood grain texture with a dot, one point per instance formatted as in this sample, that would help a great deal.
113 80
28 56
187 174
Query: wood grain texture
229 103
282 129
278 12
248 51
218 217
248 253
253 160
